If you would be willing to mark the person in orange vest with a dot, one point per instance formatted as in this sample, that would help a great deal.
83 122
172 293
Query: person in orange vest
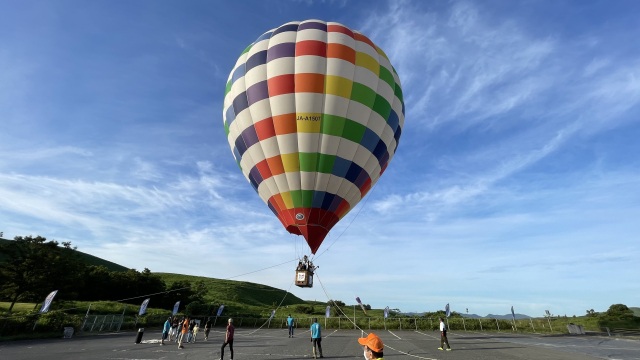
185 331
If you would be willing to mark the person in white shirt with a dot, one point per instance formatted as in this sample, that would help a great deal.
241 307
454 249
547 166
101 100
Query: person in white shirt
443 336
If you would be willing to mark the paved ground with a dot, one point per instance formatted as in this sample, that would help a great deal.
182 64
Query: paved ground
337 344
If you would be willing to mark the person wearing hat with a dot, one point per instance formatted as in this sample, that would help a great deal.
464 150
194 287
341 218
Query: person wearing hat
372 347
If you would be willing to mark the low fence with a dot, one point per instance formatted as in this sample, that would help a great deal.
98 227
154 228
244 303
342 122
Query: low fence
92 323
418 324
622 332
100 323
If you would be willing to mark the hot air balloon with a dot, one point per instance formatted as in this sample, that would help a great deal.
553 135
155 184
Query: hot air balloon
313 113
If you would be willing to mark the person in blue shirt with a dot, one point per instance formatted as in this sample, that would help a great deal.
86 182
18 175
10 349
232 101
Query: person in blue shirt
316 338
290 325
165 330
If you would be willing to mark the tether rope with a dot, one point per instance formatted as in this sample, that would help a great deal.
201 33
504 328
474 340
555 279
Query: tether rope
276 309
359 328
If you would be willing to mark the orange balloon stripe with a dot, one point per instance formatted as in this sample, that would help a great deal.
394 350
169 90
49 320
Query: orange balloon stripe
340 29
285 124
339 51
311 47
360 37
263 169
264 129
275 165
283 84
277 199
310 83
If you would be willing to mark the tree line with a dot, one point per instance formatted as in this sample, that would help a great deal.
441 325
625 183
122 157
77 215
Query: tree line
31 267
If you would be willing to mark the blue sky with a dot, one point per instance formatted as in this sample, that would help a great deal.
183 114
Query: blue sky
516 181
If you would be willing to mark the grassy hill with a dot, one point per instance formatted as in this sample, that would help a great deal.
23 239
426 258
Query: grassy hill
238 292
87 258
243 294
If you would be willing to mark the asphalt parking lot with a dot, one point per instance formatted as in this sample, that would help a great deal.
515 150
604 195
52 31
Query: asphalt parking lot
337 344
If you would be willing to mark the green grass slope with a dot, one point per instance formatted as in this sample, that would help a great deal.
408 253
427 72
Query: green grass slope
239 292
87 258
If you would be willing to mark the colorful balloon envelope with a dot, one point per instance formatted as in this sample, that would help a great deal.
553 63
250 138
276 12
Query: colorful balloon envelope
313 113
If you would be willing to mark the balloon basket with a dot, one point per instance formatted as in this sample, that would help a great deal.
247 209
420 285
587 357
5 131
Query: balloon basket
304 278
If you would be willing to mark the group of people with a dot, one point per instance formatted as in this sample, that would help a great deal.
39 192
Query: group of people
189 332
183 330
306 264
372 345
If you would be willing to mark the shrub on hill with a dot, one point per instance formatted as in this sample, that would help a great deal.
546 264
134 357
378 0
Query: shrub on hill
619 316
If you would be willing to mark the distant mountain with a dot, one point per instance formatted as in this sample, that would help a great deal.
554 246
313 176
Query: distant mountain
508 316
87 258
476 316
636 311
472 316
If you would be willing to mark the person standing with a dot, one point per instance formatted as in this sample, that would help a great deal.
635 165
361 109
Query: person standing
190 335
316 338
173 335
165 330
443 336
183 333
207 329
195 332
372 346
290 325
228 340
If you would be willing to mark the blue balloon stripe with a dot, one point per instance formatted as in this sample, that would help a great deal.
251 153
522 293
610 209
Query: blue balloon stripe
240 102
370 140
353 172
312 25
281 50
257 92
257 59
393 120
285 28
